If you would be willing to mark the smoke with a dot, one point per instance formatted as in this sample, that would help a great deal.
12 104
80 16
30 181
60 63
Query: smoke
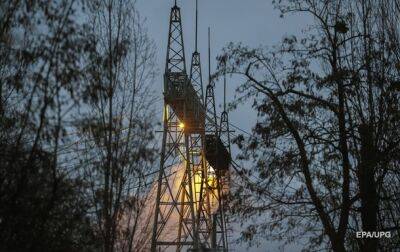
144 225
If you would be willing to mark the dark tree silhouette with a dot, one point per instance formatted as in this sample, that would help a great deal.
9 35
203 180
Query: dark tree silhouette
76 124
121 120
41 73
326 142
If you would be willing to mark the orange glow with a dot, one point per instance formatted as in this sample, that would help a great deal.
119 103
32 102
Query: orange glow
181 125
212 180
211 187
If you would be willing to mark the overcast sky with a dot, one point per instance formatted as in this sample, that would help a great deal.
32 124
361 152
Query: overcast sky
252 22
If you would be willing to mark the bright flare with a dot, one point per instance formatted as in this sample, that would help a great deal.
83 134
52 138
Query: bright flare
181 125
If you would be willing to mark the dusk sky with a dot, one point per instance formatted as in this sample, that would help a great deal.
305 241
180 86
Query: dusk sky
96 156
253 22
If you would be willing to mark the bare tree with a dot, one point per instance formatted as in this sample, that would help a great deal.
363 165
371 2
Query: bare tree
41 73
326 142
118 129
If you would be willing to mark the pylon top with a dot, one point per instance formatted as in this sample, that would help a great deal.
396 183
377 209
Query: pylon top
224 86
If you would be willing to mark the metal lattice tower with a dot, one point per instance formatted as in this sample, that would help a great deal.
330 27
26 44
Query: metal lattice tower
224 126
224 135
175 149
217 156
193 202
195 68
203 194
209 103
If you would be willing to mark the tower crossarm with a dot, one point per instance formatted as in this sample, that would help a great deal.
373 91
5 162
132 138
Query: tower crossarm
180 94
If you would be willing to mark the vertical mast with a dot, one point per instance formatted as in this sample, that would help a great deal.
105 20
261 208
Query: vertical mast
225 87
197 17
209 58
195 68
211 121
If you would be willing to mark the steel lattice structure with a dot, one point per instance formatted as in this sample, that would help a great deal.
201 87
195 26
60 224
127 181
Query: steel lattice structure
190 140
224 135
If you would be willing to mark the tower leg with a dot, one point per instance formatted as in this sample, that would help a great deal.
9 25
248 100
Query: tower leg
159 182
174 220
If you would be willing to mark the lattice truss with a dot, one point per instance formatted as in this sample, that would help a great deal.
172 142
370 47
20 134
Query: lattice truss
175 202
195 75
175 53
188 212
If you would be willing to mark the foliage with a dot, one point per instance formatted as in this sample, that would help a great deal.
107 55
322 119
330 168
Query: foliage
55 72
326 142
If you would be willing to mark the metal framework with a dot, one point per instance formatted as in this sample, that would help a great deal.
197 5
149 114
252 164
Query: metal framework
224 135
193 201
195 67
218 160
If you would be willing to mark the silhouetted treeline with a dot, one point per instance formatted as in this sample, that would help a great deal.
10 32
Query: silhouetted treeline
76 124
326 143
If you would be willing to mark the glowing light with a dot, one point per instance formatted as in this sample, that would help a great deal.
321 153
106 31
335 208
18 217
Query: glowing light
212 180
181 125
210 185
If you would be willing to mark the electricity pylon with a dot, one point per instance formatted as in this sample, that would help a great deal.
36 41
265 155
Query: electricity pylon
203 192
218 160
179 118
195 68
224 177
186 203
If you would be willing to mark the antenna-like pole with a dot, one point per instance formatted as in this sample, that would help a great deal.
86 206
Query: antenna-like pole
175 2
197 17
209 58
225 86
